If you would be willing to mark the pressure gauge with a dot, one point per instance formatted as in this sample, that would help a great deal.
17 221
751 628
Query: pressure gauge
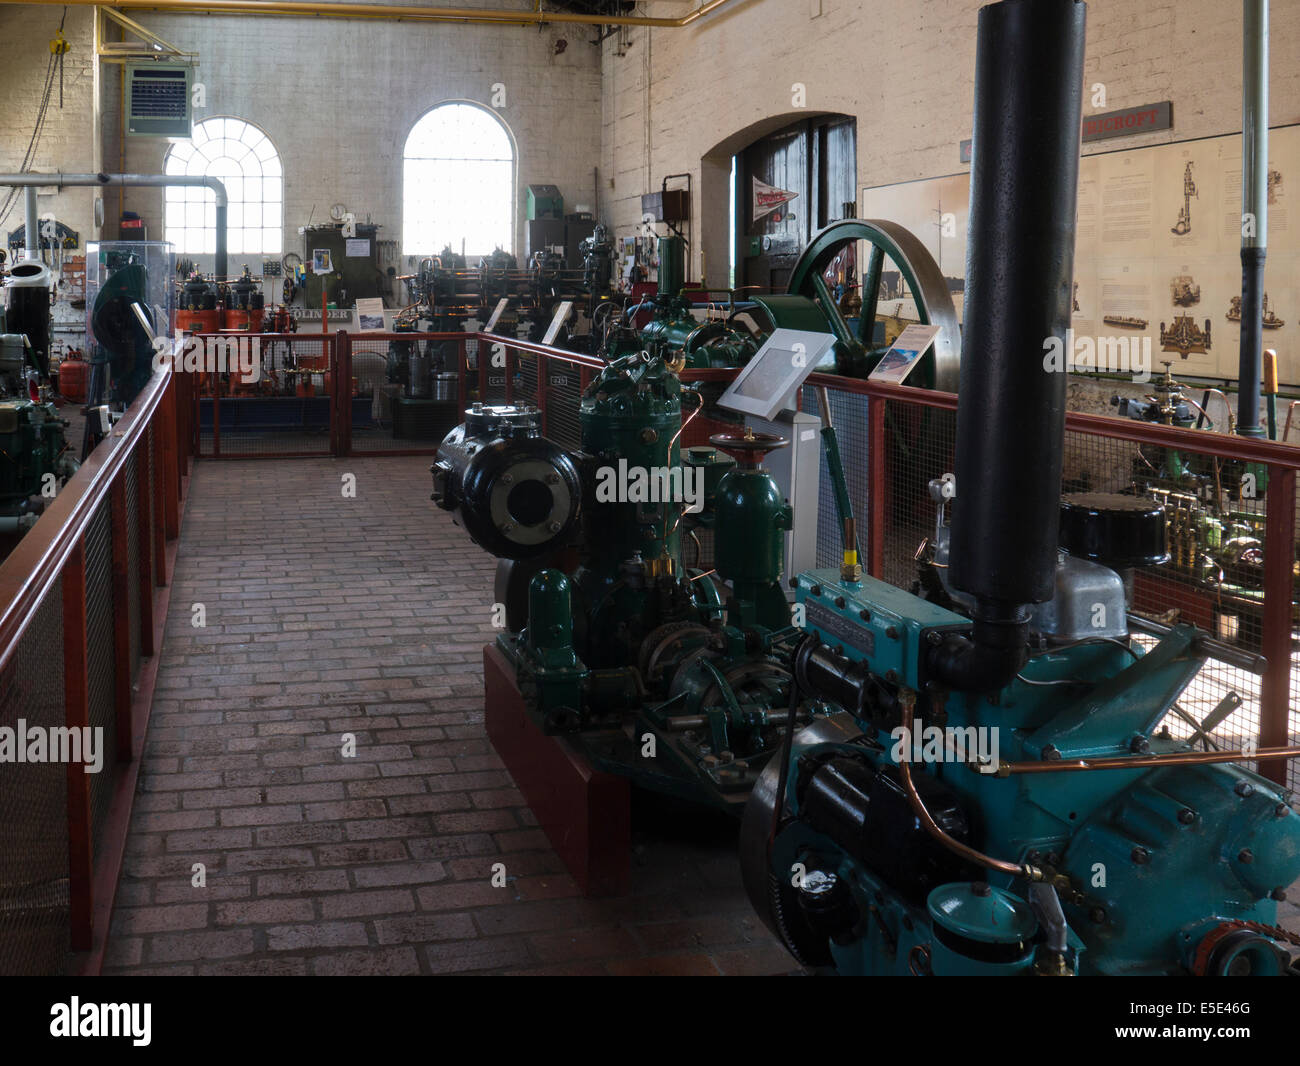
338 211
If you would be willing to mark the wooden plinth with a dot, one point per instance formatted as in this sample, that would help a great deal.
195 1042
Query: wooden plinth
586 814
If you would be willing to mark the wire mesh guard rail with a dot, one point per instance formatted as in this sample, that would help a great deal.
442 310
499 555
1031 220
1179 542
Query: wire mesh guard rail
82 604
1232 565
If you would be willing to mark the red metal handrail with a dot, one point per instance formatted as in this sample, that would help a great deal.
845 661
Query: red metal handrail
32 568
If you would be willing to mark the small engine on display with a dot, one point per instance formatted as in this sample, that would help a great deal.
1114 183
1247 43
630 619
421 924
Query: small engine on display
611 633
35 456
1215 514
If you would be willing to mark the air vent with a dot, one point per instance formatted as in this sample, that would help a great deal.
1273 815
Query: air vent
158 99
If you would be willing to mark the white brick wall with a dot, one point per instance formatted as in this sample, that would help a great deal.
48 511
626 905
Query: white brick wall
906 70
338 98
25 33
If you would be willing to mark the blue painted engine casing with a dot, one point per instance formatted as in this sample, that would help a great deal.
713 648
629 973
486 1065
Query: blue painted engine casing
1150 863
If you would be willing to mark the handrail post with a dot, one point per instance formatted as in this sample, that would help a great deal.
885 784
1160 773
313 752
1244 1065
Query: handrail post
544 387
482 370
143 531
462 371
214 381
1279 589
76 702
158 487
876 486
121 568
171 469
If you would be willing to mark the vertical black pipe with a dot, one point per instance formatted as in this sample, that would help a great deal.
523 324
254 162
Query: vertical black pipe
1019 288
220 268
1254 211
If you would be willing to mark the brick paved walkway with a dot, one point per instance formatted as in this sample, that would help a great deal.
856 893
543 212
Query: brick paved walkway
328 616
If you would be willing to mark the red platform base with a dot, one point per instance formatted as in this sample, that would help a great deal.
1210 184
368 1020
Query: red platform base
586 814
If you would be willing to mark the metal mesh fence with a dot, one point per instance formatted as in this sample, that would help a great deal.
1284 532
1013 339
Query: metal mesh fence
1215 518
284 411
1293 694
850 416
391 414
133 504
147 501
33 806
101 617
918 443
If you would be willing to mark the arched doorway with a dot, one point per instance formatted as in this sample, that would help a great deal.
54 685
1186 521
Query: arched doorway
787 185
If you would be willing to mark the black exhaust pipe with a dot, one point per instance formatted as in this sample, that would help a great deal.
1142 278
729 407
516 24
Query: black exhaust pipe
1019 289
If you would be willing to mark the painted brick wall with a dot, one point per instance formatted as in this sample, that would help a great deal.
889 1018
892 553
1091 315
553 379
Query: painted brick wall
25 33
906 70
339 98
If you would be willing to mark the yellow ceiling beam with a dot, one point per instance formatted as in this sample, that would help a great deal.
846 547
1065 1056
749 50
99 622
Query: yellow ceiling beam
387 12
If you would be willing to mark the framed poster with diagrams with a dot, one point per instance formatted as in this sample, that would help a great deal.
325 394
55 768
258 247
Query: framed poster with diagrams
1157 250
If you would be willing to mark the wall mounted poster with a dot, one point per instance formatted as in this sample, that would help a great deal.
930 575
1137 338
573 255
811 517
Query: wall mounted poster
1157 250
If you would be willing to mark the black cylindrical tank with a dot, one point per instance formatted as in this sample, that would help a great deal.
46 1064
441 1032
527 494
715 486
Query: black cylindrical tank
27 308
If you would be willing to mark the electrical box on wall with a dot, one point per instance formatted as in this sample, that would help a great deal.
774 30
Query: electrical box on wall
158 97
544 201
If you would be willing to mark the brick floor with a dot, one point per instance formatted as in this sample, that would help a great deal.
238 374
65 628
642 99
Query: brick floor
328 616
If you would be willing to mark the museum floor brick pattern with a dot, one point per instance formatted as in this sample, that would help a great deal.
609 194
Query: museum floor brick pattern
326 616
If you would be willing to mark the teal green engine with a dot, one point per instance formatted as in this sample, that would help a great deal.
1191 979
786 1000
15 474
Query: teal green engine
1009 782
1053 826
673 676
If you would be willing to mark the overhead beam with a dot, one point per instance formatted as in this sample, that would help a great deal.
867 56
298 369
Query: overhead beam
385 12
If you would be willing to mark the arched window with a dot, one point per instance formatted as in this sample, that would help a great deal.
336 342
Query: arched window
458 183
245 160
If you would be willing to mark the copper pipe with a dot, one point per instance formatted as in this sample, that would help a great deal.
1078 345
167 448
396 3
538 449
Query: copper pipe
1027 871
1128 762
386 12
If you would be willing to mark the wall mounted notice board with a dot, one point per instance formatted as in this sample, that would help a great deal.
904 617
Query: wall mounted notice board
1156 243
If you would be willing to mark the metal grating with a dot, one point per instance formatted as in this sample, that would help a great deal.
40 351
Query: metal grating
285 412
849 415
133 561
101 617
384 417
148 503
34 892
1219 593
564 395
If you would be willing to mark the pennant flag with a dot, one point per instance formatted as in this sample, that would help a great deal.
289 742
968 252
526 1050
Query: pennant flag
767 198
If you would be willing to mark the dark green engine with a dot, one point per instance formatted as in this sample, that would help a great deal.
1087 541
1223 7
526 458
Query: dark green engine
35 458
676 677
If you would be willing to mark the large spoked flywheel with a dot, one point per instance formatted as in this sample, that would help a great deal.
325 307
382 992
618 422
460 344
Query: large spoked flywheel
859 347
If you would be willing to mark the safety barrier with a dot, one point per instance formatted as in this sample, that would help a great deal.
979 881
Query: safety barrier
83 599
894 440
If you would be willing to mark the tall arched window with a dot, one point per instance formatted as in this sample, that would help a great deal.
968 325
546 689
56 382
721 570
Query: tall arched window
458 183
245 160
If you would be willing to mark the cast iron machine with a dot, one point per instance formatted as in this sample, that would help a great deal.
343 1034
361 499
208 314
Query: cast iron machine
35 458
612 638
995 792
